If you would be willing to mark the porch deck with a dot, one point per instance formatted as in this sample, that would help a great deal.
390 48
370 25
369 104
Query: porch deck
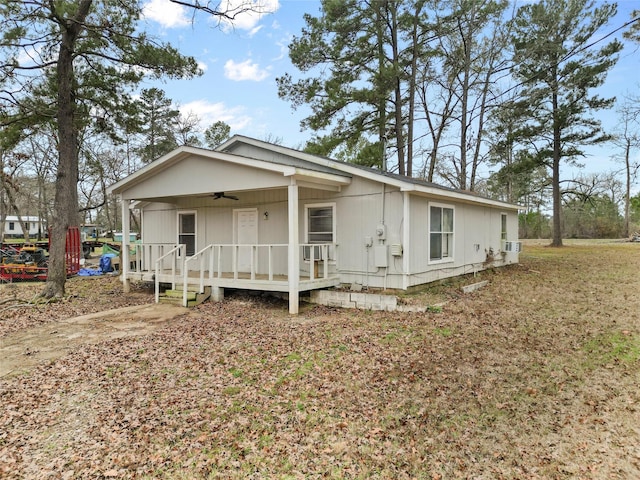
243 280
247 267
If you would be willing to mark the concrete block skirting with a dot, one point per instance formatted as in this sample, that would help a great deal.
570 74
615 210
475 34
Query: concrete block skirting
363 301
475 286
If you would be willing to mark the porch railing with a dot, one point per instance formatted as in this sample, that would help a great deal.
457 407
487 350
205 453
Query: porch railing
211 259
253 262
143 256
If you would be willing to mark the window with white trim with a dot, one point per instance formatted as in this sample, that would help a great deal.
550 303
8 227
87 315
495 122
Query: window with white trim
187 231
440 233
320 226
503 226
12 226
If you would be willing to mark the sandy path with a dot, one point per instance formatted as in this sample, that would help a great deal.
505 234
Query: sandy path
23 350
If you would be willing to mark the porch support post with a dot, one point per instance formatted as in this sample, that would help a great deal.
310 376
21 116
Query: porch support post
124 246
406 239
217 294
294 249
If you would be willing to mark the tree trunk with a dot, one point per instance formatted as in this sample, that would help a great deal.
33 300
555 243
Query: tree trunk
413 74
398 98
462 175
66 196
382 93
556 240
627 197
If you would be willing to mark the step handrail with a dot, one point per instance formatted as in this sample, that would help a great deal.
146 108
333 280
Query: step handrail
175 252
185 273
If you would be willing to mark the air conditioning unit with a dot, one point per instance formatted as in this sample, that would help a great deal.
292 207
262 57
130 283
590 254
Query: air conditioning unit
512 247
317 252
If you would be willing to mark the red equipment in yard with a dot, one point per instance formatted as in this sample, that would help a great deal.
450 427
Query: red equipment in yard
31 262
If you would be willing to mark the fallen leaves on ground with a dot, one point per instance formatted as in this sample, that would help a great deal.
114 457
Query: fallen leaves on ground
534 376
20 307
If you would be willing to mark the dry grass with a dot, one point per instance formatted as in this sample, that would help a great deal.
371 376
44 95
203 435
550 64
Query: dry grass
534 376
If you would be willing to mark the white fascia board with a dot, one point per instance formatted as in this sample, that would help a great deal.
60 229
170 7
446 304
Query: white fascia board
26 218
454 196
319 177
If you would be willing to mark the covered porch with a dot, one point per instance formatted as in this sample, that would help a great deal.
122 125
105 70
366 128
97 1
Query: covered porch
220 220
218 266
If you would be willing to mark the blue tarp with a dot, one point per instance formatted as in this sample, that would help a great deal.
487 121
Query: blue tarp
89 272
105 262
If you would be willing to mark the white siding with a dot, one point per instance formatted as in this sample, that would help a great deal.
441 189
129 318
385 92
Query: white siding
159 223
18 230
201 176
358 211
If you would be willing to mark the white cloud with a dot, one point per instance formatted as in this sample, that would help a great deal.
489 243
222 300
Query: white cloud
246 13
209 113
167 14
283 45
203 66
254 30
246 70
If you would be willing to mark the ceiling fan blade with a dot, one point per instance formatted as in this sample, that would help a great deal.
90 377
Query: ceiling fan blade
218 195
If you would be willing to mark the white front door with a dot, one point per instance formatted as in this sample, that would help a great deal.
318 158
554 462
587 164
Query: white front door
246 233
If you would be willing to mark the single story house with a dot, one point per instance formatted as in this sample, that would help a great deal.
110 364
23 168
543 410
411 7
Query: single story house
15 227
258 216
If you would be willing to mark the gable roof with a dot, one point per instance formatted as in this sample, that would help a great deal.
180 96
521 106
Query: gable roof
306 168
289 156
305 171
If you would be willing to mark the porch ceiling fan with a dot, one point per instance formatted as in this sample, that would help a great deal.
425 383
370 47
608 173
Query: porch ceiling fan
218 195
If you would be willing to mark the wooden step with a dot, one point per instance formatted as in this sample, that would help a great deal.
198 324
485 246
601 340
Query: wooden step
193 298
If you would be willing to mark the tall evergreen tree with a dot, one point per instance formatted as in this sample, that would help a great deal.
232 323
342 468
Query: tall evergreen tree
82 59
359 60
217 134
158 124
633 33
557 62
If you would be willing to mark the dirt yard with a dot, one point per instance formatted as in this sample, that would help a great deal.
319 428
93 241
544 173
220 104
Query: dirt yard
535 376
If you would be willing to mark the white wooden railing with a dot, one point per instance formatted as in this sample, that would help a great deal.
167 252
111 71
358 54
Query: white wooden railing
209 262
169 261
211 257
143 255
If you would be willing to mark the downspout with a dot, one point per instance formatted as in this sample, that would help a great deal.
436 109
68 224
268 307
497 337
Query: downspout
406 240
382 240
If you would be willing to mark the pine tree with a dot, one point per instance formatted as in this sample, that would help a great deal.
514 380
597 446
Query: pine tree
558 62
83 58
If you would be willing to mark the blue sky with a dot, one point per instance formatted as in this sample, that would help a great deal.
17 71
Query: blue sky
241 64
